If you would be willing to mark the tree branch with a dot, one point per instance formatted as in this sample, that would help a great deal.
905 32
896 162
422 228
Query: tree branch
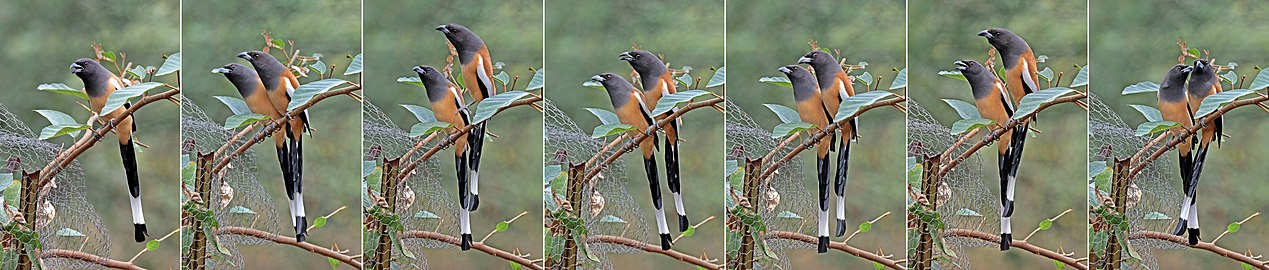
815 138
1193 129
1213 248
997 132
310 247
476 245
452 138
82 256
649 133
275 124
1037 250
840 246
646 247
66 157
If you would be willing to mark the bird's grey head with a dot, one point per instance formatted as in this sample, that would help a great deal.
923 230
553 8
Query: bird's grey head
242 77
433 80
462 38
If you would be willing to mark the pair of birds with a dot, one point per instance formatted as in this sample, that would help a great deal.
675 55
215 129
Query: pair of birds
267 90
1178 100
448 106
997 100
632 108
818 98
99 83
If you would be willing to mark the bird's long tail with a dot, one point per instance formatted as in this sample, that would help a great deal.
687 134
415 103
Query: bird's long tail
284 160
464 215
297 173
1186 162
1192 194
477 141
672 175
650 166
843 165
822 172
134 190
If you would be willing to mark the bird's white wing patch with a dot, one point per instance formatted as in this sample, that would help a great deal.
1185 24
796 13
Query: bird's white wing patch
114 82
484 78
841 90
643 107
665 89
1004 93
290 89
1026 77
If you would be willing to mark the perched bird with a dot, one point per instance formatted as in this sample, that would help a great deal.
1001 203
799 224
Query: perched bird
1020 77
1203 82
835 86
448 106
806 94
99 83
989 95
657 81
253 92
1174 105
628 104
279 84
477 70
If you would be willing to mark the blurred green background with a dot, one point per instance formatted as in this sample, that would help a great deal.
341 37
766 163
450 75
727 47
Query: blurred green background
584 38
41 39
1054 166
403 37
1134 43
214 33
773 34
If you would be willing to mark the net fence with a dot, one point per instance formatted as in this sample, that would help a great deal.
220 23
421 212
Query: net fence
970 204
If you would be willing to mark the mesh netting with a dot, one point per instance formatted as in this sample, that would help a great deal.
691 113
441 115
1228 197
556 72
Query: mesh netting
969 192
72 211
250 206
620 214
795 211
1107 130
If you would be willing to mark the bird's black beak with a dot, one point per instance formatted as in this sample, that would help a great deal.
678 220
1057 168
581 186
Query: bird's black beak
443 28
220 70
597 78
1199 65
76 68
986 34
625 56
418 69
245 55
804 60
1187 69
785 70
961 65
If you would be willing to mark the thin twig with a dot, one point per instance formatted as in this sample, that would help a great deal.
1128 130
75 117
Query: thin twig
1182 136
453 137
649 133
495 230
327 216
998 130
310 247
1203 246
874 221
86 257
1218 237
646 247
144 249
275 124
66 157
698 224
989 237
840 246
815 138
1037 228
477 246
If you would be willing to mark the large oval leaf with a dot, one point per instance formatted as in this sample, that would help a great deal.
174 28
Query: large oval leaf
964 109
852 104
1152 127
606 117
426 128
719 78
1141 87
1150 113
865 78
410 80
538 81
306 92
1081 79
354 67
963 125
953 74
121 96
786 114
54 131
785 129
1046 74
423 114
1214 102
669 102
57 117
901 80
491 105
63 89
779 81
235 105
1031 102
239 120
172 64
609 130
1261 81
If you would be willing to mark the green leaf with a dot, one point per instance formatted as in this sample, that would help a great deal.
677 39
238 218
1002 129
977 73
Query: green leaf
1095 168
502 226
172 64
1081 79
1231 77
319 222
786 114
539 80
426 215
62 89
901 80
1148 128
238 209
785 129
278 42
334 264
788 215
515 266
1233 227
865 227
611 219
240 120
318 66
685 80
57 117
1214 102
55 131
778 81
1141 87
354 67
1031 102
1194 52
1041 58
152 245
593 84
1047 74
427 128
610 130
1247 266
1150 113
878 266
671 101
964 125
965 109
1261 81
1046 224
502 77
1156 216
121 96
966 212
410 80
719 78
865 78
488 107
238 106
689 232
423 114
853 104
306 92
139 71
953 74
1059 265
606 117
68 232
108 55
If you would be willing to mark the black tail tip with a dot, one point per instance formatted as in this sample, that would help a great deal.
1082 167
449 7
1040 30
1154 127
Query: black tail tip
823 245
1005 239
683 223
1180 227
665 241
139 233
475 202
301 228
466 242
1194 236
841 227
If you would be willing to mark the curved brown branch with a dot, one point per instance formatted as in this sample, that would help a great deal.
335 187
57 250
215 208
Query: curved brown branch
88 140
1037 250
811 141
997 131
840 246
273 125
649 133
82 256
1210 247
646 247
291 242
452 138
1204 122
475 245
